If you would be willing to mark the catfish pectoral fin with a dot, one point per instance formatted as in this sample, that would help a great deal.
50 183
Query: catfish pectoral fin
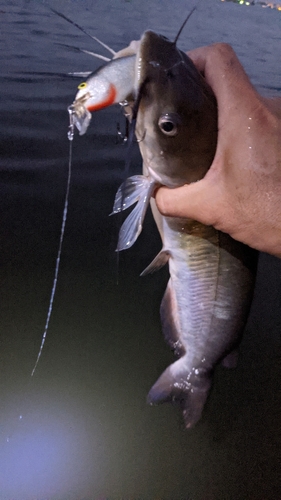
130 191
132 226
179 385
160 260
136 188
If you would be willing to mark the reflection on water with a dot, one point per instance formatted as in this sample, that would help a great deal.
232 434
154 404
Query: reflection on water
263 3
81 428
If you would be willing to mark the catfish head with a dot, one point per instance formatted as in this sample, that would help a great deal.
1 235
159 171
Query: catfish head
176 113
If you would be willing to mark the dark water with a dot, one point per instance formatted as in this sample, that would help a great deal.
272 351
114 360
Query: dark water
80 429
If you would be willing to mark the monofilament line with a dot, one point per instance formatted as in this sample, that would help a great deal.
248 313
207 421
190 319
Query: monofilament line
70 137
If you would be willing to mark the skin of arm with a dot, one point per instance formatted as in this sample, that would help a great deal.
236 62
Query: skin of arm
241 192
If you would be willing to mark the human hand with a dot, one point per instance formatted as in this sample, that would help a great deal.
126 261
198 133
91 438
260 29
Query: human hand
241 192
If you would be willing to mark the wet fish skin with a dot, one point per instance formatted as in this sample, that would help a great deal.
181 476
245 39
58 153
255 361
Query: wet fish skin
174 88
203 311
206 304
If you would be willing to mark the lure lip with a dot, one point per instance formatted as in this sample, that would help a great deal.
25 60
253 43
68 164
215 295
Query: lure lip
80 115
79 104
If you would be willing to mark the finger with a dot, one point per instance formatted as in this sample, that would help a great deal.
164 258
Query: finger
198 201
224 73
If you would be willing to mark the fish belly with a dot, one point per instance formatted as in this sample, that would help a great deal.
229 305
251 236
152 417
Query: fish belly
204 309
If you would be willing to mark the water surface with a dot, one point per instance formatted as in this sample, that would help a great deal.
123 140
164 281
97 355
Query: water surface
81 428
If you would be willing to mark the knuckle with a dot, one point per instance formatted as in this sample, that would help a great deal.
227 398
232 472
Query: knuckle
223 52
222 48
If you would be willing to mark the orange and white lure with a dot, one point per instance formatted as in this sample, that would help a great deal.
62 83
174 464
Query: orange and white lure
111 84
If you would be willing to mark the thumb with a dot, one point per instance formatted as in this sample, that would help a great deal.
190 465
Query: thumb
198 201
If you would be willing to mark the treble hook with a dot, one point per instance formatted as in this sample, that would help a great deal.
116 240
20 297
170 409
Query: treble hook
122 138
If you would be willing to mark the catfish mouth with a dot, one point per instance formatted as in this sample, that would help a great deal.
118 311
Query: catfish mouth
156 177
164 180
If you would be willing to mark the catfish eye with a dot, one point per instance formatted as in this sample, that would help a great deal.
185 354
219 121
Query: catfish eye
169 123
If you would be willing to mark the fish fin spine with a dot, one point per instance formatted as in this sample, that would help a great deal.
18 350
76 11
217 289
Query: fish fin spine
159 261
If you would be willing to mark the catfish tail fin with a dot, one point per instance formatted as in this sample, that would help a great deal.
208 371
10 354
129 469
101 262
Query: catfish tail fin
188 388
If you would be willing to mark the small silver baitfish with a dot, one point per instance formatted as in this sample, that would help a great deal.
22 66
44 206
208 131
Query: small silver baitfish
209 293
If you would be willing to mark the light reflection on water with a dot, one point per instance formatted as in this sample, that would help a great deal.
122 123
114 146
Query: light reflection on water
263 3
86 431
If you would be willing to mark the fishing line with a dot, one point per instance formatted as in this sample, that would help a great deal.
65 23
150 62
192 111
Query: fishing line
70 136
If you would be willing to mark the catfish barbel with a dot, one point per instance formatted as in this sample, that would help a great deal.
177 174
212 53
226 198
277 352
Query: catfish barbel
209 293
